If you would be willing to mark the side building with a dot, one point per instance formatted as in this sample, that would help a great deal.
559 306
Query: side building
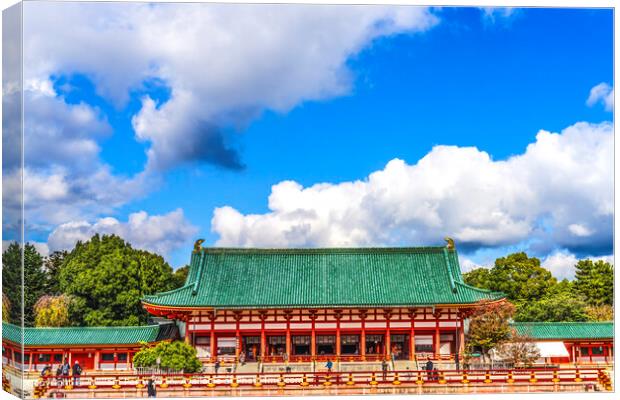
348 304
580 343
95 348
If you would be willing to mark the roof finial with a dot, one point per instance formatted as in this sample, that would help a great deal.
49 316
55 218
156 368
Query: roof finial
450 245
197 246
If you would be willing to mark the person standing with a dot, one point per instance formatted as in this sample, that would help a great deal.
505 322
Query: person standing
429 368
77 371
151 391
216 366
66 369
384 368
329 365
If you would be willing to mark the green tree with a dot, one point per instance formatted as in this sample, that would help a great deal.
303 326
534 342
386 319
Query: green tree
478 277
489 326
174 355
52 265
595 281
520 277
6 308
180 276
106 277
561 307
52 311
34 280
602 313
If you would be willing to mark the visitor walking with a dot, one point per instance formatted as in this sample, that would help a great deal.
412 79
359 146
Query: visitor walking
150 388
77 371
329 365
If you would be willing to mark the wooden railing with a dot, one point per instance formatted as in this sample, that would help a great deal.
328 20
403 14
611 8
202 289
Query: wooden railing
301 380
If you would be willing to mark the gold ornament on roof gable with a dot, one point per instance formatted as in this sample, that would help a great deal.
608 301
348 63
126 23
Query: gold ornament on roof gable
197 245
450 241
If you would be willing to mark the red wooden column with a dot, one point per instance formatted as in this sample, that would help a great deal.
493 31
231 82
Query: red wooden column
363 315
338 316
388 345
212 338
412 315
461 322
313 334
238 348
263 339
436 340
288 315
188 334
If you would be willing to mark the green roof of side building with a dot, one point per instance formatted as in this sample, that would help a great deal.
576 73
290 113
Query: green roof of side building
565 330
354 277
111 335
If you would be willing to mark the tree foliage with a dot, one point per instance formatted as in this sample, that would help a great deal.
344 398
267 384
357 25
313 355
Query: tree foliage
35 280
180 276
562 306
603 312
106 277
595 281
52 311
478 277
489 325
521 277
6 308
52 265
172 355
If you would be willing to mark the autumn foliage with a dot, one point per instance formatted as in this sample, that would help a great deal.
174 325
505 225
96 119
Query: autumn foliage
489 325
52 311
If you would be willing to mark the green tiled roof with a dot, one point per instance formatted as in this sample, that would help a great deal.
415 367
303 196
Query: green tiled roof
261 278
80 335
565 330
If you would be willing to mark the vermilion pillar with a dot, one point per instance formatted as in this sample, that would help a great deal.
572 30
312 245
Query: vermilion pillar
363 335
313 335
338 317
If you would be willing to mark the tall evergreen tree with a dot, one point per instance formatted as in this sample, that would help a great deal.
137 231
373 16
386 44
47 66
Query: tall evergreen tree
34 281
595 281
52 265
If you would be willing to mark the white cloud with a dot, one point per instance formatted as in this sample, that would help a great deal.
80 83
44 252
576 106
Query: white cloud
468 265
64 178
602 93
56 195
562 263
224 64
158 233
562 181
496 14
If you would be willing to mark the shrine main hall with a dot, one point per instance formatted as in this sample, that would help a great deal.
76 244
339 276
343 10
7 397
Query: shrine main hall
347 304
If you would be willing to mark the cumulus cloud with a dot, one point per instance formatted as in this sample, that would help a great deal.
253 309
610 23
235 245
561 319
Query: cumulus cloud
602 93
558 193
158 233
224 64
562 263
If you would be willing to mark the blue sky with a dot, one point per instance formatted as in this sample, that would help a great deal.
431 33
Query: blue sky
447 77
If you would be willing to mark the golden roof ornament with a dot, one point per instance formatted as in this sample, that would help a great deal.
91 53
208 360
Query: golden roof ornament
450 243
197 245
